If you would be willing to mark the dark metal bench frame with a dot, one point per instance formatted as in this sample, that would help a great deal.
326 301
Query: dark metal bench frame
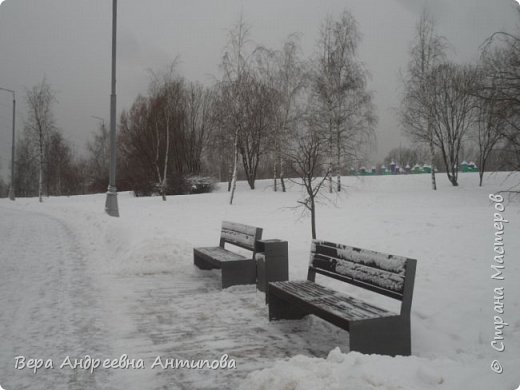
236 269
388 334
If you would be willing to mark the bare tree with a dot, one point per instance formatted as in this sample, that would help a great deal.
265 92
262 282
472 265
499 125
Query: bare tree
308 161
99 159
168 117
163 135
60 167
491 123
232 90
199 105
501 59
427 51
343 107
285 75
27 166
452 111
137 148
40 122
152 136
222 140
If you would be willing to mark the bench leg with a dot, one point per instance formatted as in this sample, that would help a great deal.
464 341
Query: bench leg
384 336
201 263
282 310
238 272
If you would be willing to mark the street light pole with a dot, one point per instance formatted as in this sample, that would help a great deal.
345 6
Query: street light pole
11 187
111 201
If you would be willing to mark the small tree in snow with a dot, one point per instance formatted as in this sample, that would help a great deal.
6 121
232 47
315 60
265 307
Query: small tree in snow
308 162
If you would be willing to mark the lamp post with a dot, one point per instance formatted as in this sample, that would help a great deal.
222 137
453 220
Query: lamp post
11 187
111 201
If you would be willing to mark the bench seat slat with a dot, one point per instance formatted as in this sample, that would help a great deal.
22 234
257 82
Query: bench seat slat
220 254
333 302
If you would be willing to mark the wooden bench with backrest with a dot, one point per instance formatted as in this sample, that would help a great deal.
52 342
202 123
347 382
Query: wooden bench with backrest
372 329
236 268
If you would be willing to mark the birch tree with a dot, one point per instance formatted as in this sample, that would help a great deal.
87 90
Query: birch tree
285 73
233 90
343 105
40 123
427 51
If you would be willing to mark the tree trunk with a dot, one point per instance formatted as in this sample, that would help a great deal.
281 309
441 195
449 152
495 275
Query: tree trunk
275 181
235 163
313 218
338 162
329 176
282 181
40 184
230 177
432 154
167 152
452 177
454 172
40 181
251 182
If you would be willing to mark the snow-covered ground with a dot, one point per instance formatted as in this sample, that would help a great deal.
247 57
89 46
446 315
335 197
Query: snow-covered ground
75 282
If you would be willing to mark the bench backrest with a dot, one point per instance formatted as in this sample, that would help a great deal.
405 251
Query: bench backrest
389 275
243 236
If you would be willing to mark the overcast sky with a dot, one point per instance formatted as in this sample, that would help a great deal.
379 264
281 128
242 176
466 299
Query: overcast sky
69 43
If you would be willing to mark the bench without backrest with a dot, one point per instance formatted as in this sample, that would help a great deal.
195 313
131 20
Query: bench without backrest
372 329
236 268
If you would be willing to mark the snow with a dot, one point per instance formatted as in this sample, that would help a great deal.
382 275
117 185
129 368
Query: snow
374 276
75 282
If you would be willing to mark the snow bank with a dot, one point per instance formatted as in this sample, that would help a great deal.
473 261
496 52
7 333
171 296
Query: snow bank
354 371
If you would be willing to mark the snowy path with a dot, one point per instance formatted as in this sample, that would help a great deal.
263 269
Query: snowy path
57 300
48 301
183 314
